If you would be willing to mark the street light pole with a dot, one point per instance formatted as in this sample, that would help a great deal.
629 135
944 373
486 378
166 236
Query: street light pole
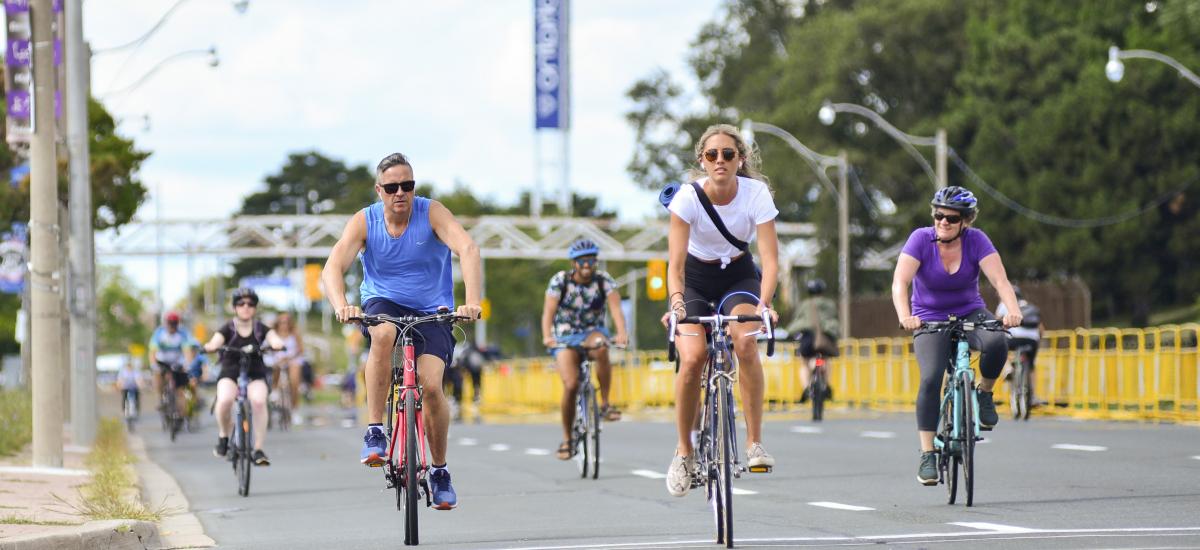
940 179
1115 70
819 163
45 232
82 297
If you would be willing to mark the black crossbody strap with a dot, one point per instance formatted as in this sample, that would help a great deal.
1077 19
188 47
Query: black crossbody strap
716 219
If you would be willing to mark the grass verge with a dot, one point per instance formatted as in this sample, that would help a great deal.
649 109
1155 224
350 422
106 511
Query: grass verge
111 494
16 421
13 519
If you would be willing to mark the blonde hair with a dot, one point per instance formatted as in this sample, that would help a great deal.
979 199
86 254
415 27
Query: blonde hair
750 159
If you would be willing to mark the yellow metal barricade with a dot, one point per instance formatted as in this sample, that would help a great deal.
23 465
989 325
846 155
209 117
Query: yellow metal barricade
1105 373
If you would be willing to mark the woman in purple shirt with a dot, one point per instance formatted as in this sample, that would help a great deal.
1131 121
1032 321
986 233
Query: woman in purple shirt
943 263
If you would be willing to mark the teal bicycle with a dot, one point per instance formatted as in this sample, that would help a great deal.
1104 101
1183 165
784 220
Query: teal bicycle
958 422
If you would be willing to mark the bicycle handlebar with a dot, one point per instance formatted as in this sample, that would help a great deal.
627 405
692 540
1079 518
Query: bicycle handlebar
988 324
409 320
719 320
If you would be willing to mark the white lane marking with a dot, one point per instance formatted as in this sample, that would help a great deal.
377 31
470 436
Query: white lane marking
738 491
840 506
1197 457
993 527
1050 533
500 447
1074 447
467 441
878 435
807 429
537 452
650 474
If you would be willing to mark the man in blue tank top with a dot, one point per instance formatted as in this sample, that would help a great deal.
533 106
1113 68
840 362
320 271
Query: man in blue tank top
404 242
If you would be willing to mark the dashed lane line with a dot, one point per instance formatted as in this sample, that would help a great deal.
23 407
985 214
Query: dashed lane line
878 435
1074 447
840 506
467 441
993 527
650 474
498 447
807 429
537 452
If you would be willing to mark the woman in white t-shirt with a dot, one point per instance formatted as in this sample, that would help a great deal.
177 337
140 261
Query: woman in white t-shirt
704 267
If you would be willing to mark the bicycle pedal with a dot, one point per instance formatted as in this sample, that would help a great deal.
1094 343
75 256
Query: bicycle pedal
983 428
760 469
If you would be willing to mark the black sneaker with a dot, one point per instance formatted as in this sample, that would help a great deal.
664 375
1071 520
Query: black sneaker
987 410
222 447
804 396
927 472
260 458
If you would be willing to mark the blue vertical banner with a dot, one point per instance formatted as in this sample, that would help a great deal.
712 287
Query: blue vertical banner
14 254
551 67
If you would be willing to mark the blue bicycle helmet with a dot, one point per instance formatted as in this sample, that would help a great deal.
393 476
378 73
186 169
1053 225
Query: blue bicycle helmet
956 198
583 247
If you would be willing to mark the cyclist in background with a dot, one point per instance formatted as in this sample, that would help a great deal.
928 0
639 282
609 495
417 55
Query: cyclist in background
572 312
705 266
290 358
943 263
1028 334
244 329
815 311
171 349
405 243
129 381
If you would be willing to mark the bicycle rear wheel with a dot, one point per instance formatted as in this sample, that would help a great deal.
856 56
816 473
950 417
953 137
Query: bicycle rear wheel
817 393
967 421
410 468
725 459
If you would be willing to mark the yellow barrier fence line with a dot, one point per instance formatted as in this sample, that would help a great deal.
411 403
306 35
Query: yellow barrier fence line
1142 374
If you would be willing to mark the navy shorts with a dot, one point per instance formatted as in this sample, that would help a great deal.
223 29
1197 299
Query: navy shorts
434 339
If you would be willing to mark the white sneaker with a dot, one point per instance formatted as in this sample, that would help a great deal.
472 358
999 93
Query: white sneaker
679 475
756 457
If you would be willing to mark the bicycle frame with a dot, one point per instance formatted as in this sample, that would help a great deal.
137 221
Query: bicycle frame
406 374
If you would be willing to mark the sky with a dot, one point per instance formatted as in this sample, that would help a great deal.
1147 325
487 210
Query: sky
449 83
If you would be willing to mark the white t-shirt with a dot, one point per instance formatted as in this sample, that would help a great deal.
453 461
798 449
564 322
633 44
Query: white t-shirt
751 206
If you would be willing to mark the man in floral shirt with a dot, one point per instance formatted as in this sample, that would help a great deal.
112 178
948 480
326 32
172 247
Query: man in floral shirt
573 318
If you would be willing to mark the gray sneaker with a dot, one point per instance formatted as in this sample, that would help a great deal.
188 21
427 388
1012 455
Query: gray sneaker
927 473
679 475
757 457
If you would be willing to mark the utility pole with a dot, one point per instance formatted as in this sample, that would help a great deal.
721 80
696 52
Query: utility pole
82 298
44 275
844 243
941 150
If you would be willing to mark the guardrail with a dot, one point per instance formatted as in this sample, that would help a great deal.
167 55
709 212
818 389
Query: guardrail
1134 374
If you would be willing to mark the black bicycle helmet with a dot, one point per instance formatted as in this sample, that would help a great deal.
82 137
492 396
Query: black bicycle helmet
583 247
956 198
816 287
244 292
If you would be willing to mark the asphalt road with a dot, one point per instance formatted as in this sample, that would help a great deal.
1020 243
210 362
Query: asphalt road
849 481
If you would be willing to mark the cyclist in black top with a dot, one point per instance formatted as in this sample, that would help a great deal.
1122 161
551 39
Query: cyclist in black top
244 329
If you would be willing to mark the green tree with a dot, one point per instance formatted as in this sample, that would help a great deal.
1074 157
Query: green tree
123 317
1020 88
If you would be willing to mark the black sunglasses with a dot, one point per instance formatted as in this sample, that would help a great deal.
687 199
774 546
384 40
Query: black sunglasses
729 154
246 303
950 218
586 261
406 186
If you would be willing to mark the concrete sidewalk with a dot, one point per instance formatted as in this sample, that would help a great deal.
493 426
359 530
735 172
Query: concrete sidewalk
38 509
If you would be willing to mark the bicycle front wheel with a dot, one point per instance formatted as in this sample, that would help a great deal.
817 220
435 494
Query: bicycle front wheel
967 421
593 429
1016 398
581 446
410 468
242 460
726 454
948 463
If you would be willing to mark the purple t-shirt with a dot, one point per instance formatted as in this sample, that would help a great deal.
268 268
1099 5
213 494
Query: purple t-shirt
937 294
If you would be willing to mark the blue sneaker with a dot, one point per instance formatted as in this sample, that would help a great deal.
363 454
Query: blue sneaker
443 493
374 452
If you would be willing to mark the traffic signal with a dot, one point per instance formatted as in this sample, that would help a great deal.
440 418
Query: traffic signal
312 282
656 280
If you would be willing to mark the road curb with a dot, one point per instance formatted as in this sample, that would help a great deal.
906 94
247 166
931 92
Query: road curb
179 528
108 534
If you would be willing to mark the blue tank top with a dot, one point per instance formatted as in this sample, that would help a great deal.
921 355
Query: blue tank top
412 270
